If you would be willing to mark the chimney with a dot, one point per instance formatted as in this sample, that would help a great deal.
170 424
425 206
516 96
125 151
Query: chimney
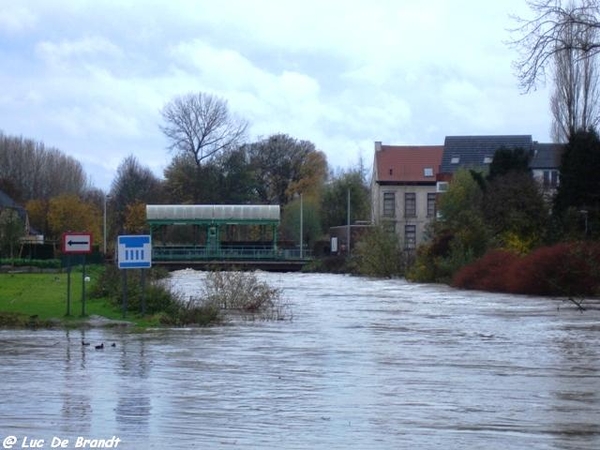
377 146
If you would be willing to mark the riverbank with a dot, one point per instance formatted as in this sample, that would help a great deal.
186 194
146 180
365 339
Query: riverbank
19 320
93 299
33 299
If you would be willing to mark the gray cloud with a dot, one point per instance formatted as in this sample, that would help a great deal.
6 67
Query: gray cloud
90 77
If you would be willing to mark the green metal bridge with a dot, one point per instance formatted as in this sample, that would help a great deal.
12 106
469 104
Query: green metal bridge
220 237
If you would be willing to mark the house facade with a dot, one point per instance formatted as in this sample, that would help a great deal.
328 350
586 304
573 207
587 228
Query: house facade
403 189
477 152
545 166
7 202
407 180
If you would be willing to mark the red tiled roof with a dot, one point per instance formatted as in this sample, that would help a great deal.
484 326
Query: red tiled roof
407 163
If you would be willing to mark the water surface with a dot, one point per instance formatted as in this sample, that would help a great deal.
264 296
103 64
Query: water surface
366 364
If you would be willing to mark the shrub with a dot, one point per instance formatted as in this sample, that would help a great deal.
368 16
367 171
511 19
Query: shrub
487 273
565 269
38 263
169 307
234 291
379 254
242 292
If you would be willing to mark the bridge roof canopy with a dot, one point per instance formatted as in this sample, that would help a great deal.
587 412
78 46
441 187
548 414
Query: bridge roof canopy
212 214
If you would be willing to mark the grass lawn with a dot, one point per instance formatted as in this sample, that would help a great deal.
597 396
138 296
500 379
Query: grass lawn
45 295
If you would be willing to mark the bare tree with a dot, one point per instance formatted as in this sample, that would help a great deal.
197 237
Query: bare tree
200 125
38 172
574 102
134 183
554 30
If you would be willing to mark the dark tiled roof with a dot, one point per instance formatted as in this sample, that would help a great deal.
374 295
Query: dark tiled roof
546 156
408 163
6 201
477 151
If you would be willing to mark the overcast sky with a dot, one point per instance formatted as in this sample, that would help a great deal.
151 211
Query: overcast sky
90 77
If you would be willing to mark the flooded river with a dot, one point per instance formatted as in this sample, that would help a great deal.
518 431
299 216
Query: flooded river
362 364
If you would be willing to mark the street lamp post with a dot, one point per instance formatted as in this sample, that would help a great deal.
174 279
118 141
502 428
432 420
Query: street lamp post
348 229
301 227
104 217
585 218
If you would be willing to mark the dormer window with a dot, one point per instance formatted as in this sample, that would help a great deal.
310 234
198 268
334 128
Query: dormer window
428 172
455 160
487 159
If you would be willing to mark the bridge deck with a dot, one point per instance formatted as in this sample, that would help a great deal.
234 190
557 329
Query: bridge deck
266 265
241 257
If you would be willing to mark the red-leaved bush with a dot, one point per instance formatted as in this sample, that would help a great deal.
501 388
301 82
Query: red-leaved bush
566 269
487 273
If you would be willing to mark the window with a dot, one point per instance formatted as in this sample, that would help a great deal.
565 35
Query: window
550 179
455 160
410 236
389 226
410 204
442 186
389 204
546 178
428 172
487 159
431 204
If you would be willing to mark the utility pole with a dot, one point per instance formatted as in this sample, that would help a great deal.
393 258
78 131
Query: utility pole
348 223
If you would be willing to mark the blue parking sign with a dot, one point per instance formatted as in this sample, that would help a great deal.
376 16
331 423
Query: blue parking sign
134 252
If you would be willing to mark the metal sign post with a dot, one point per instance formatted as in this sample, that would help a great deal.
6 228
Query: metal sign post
73 244
134 252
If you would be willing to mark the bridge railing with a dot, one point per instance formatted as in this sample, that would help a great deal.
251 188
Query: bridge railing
199 253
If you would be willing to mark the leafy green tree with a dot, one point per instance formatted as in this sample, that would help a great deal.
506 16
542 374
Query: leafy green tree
135 218
379 253
185 183
69 213
334 203
462 203
37 211
459 236
134 183
579 181
508 160
279 163
515 211
226 179
312 176
237 183
12 228
577 203
311 225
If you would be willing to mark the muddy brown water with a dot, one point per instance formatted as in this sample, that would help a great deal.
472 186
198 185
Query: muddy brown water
362 364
